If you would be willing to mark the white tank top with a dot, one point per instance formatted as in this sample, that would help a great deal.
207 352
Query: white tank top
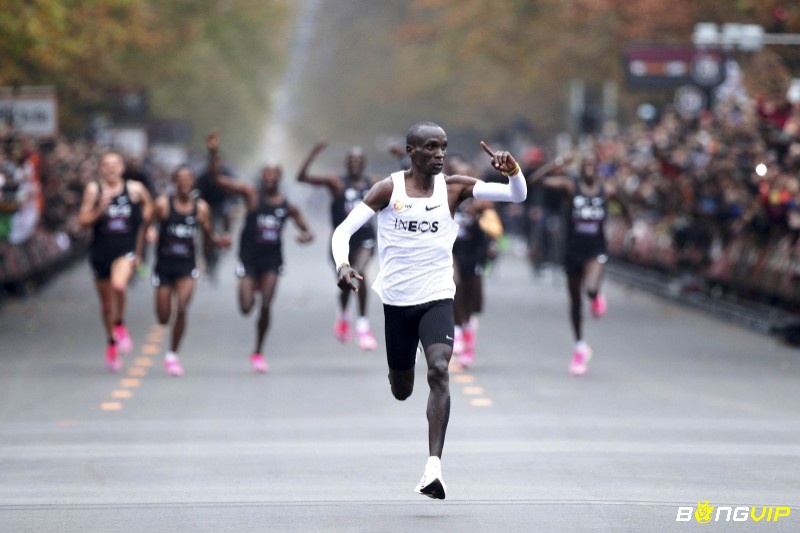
415 246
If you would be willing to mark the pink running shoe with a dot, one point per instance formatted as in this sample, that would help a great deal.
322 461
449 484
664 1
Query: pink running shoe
258 363
599 306
470 337
173 367
123 338
113 360
467 357
366 341
458 342
580 360
341 330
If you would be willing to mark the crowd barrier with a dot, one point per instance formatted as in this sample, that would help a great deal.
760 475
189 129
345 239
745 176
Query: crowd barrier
750 266
36 260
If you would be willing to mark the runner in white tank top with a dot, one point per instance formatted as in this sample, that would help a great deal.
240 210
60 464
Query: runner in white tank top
415 246
416 232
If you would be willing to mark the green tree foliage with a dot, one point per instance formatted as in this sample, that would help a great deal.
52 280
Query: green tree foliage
210 62
482 67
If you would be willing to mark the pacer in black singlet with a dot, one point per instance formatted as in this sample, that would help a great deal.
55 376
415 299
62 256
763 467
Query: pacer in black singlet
118 212
585 248
179 216
479 226
346 192
260 244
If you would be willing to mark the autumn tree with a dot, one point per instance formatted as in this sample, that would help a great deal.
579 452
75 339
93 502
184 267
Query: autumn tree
211 62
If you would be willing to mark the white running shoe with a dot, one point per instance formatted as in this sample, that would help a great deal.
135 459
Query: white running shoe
366 341
432 485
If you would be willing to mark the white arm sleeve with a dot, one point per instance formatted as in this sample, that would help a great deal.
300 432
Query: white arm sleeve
514 191
340 242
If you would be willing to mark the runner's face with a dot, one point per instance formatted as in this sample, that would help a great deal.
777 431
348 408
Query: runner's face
184 182
270 177
111 166
428 154
355 164
589 168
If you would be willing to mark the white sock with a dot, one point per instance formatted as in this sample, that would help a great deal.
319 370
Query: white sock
459 332
473 322
433 468
580 345
343 315
171 356
362 324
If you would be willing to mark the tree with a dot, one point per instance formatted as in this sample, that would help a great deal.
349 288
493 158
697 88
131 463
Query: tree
208 61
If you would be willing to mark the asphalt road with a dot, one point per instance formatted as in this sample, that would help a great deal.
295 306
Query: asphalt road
677 408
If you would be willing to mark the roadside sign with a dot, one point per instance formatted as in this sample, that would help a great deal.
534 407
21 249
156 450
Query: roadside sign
32 110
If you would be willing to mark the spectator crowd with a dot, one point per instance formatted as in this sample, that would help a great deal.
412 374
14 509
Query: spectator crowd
715 199
41 186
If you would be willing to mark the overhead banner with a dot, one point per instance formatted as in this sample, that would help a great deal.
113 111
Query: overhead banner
669 67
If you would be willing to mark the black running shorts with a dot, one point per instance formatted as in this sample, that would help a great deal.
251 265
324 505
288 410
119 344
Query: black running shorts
101 263
581 252
168 273
254 267
407 326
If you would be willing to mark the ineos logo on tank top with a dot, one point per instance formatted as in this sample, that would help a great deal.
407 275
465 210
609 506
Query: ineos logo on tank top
118 216
416 226
588 213
585 208
182 231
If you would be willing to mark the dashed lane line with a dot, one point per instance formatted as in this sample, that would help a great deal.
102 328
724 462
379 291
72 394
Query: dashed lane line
136 372
475 392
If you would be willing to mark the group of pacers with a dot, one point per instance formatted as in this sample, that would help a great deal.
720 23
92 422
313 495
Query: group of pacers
433 233
119 211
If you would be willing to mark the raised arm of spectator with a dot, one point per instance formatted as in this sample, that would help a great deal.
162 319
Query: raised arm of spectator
552 176
245 190
333 183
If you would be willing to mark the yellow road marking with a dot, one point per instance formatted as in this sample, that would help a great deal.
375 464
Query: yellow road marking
471 389
150 349
137 371
480 402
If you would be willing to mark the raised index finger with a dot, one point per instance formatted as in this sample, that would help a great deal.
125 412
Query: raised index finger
487 149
